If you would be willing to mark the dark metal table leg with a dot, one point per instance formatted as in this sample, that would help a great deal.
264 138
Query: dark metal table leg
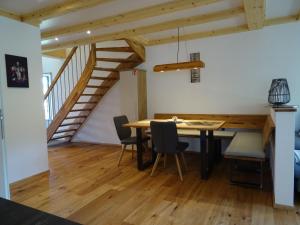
139 149
141 165
203 146
207 149
210 150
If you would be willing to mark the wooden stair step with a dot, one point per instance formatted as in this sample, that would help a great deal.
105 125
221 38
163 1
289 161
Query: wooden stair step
91 94
115 49
117 60
75 117
93 86
103 78
70 124
86 102
80 110
96 86
65 131
105 69
61 137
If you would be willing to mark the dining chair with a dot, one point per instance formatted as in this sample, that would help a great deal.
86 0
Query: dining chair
165 140
124 134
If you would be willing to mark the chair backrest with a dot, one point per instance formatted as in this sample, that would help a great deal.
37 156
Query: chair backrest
164 136
123 132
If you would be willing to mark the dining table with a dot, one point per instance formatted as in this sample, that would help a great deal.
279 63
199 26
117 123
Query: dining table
205 129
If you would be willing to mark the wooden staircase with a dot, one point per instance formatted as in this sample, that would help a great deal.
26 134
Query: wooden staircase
89 89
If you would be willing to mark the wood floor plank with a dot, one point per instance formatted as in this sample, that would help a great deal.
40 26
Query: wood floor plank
85 185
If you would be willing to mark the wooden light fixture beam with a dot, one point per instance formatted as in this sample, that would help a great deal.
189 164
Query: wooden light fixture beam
179 66
196 64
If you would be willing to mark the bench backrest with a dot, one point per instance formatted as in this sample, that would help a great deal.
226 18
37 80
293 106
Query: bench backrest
269 127
231 120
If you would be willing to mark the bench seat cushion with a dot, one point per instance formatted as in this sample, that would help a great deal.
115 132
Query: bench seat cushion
246 144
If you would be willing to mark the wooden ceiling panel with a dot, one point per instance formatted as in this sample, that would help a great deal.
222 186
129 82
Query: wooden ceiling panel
61 9
221 5
134 15
231 22
9 14
98 12
280 8
187 21
26 6
145 21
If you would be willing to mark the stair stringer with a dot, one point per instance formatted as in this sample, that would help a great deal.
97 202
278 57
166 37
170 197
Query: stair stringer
74 95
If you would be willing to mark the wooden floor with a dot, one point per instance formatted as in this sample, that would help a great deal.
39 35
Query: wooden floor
86 186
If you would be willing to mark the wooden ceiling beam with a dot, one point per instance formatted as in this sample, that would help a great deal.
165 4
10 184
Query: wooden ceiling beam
199 35
281 20
60 53
187 21
255 13
10 15
135 15
138 48
140 39
222 31
61 9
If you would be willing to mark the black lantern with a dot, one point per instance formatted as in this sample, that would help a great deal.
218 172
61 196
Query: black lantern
279 92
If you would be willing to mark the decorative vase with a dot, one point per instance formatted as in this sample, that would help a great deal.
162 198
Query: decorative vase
279 93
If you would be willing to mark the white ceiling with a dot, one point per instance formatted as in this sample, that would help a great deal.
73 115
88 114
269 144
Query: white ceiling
274 8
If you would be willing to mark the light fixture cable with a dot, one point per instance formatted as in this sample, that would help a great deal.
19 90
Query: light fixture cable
177 44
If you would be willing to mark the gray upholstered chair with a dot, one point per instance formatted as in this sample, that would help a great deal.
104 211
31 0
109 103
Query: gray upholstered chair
165 140
124 134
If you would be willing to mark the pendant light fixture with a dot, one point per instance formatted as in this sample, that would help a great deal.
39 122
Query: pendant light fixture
179 65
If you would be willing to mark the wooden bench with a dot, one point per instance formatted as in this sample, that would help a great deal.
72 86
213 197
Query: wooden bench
250 146
261 127
232 121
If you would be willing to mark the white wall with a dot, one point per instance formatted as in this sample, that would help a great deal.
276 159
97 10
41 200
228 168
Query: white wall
238 73
25 134
120 99
51 65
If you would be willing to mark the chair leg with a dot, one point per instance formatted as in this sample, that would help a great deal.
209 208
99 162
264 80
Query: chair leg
184 162
165 160
178 167
155 164
132 151
121 155
262 175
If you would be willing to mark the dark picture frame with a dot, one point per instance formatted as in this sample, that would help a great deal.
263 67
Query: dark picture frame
16 71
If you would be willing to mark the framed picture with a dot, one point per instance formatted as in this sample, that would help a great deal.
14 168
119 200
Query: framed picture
16 71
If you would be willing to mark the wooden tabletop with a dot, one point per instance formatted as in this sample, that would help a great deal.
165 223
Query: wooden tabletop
182 124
